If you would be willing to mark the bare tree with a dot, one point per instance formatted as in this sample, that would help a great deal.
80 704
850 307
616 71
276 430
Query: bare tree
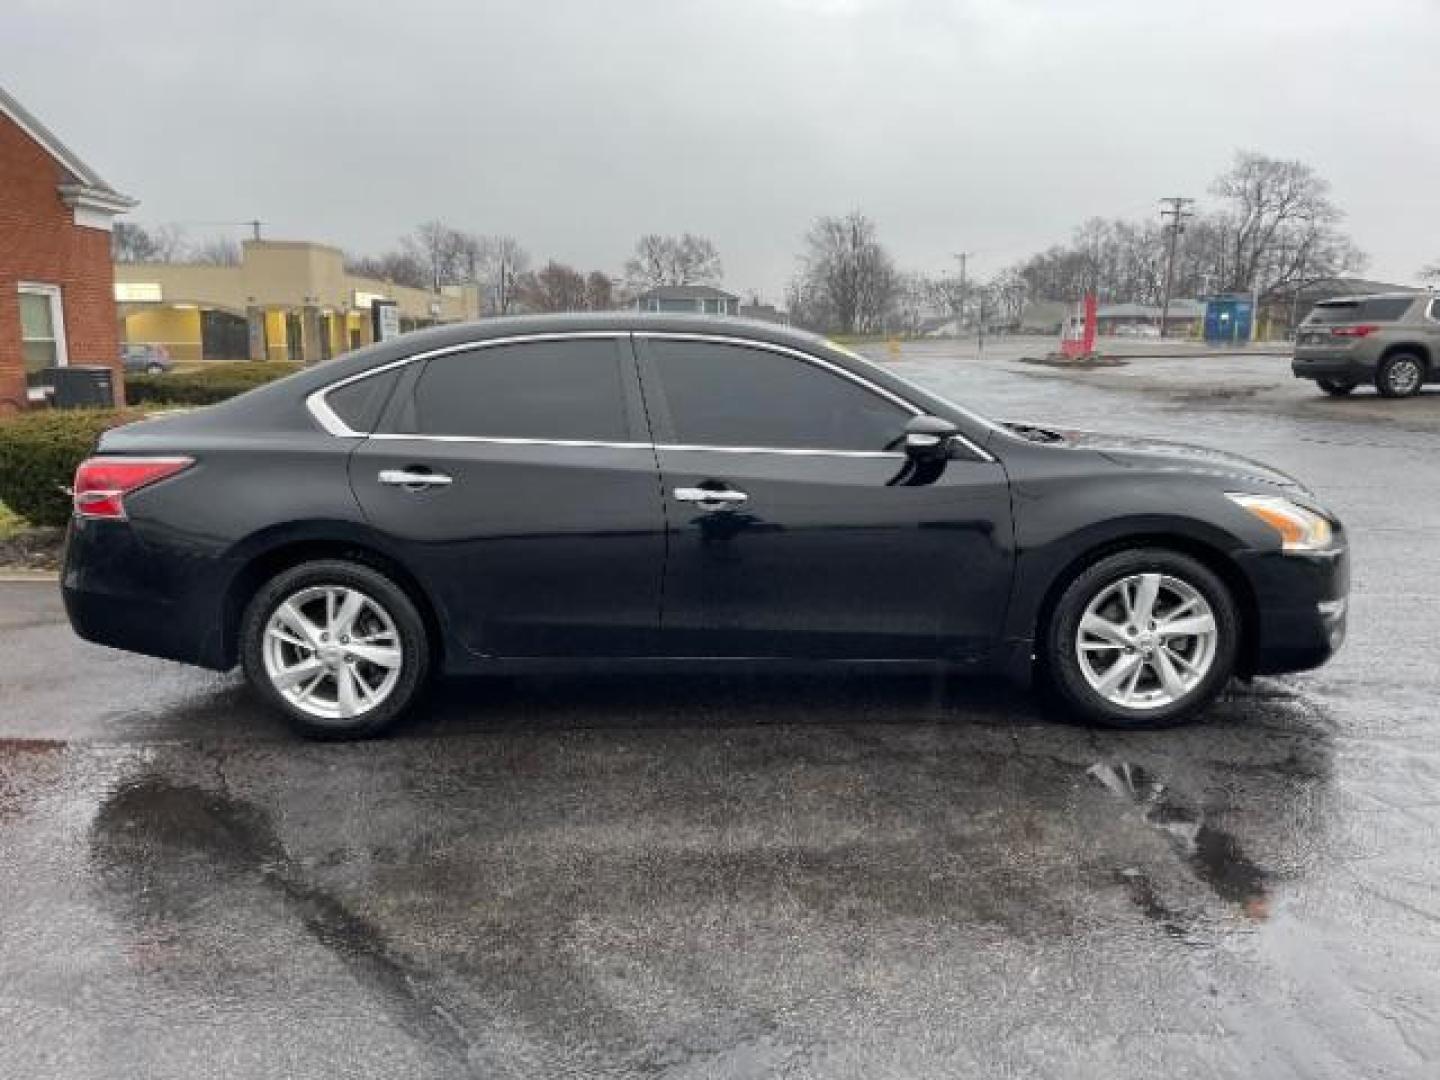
501 261
599 291
914 302
132 242
216 251
1276 230
1278 225
396 267
1009 293
450 255
554 287
847 281
672 260
1430 273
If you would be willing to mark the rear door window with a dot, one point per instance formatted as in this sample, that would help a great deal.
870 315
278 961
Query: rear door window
563 390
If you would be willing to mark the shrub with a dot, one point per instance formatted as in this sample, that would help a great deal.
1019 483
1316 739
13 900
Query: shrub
203 386
39 452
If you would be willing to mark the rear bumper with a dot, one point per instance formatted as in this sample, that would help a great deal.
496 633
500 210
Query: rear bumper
1329 365
128 593
1301 609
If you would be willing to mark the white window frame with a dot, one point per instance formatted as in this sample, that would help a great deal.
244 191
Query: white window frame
57 319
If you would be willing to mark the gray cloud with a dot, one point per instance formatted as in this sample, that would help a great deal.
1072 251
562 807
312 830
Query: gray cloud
988 126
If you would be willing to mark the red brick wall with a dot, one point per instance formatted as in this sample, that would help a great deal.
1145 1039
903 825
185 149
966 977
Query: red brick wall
39 241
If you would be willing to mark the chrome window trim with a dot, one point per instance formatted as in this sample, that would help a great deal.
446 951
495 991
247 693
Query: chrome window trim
332 424
809 358
499 440
770 346
507 440
784 450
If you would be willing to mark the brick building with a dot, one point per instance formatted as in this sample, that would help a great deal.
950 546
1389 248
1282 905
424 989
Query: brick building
57 298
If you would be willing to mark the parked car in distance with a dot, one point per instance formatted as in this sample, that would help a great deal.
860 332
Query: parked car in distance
150 359
646 490
1390 340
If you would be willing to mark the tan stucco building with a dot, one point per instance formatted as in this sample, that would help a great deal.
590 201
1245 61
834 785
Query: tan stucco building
286 300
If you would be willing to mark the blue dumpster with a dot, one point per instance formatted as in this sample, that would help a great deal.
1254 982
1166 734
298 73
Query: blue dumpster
1229 319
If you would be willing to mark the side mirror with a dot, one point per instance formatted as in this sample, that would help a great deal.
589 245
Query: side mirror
927 438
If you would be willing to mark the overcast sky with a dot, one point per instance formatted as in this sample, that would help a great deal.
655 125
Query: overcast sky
979 125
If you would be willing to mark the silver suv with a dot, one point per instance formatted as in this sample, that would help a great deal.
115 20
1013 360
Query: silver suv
1391 340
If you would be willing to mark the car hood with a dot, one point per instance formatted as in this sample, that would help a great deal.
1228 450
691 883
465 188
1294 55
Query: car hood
1164 455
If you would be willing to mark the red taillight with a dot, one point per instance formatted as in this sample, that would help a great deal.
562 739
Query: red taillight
101 483
1354 331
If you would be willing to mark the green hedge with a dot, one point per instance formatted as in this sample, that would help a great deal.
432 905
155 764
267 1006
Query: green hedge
204 386
39 451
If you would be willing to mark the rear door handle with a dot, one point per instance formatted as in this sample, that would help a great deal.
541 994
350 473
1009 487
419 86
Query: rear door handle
413 481
710 496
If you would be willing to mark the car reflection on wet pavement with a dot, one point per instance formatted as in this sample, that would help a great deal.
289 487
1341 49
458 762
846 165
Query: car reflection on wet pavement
845 876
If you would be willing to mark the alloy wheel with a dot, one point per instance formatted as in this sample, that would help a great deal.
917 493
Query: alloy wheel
1146 641
332 651
1404 376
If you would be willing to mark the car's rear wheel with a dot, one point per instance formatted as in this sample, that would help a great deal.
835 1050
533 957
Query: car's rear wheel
1142 638
1335 387
337 646
1400 374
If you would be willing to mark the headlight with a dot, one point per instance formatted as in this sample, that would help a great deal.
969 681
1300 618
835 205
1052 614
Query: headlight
1300 529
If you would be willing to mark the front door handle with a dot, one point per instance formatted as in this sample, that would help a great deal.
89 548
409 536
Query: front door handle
413 481
710 498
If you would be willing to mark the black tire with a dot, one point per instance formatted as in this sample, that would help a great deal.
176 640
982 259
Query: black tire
1335 387
413 642
1061 663
1401 374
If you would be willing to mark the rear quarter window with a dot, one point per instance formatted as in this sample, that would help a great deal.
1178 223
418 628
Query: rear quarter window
1386 309
360 404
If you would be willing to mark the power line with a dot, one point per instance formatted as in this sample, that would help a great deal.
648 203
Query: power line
1175 209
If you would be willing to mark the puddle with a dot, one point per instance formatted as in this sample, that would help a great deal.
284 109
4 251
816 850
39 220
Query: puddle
1213 855
162 849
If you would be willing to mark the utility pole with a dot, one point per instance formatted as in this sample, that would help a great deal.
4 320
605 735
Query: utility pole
255 228
1175 210
963 257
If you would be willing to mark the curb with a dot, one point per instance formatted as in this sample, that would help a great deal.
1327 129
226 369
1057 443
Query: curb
16 577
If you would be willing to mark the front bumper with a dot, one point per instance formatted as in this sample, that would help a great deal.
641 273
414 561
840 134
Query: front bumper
1301 608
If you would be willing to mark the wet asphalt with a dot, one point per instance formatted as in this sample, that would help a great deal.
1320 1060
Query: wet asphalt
742 877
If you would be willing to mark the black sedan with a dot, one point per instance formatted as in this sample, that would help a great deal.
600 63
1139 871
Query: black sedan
642 490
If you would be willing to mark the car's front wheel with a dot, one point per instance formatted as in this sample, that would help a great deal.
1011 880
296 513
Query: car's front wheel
337 646
1142 638
1336 387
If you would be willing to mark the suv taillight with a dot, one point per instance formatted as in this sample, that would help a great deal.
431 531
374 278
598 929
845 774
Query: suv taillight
1354 331
101 483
